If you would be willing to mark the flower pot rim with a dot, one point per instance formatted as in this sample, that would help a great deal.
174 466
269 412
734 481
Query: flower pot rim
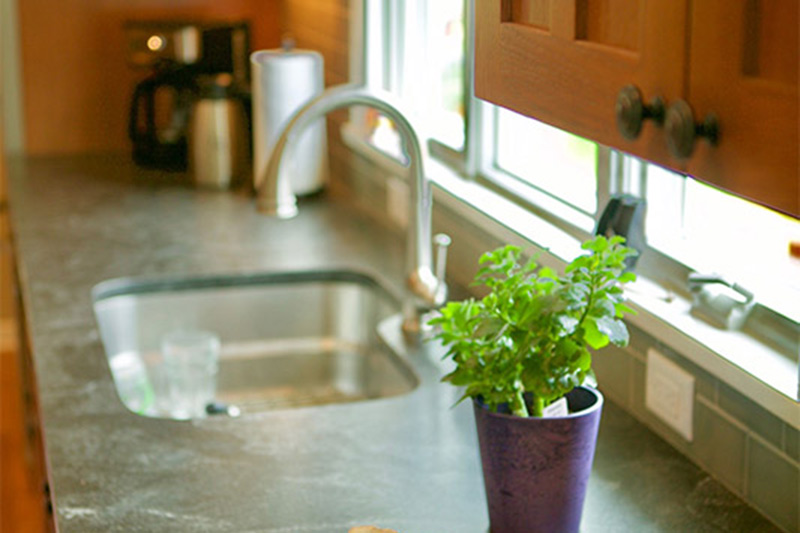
594 407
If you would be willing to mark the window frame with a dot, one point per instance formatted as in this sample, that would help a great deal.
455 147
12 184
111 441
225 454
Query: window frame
475 167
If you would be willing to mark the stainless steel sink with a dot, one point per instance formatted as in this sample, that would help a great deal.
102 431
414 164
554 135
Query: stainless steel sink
288 339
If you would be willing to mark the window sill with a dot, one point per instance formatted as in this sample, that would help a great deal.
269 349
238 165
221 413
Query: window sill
754 369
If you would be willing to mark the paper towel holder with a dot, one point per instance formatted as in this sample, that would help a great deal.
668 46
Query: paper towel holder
283 80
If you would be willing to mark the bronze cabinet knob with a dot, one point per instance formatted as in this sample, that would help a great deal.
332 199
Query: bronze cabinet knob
631 111
682 131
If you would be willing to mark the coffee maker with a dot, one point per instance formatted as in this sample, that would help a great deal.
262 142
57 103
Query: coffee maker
178 55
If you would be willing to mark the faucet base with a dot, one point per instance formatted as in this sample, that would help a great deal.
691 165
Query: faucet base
280 210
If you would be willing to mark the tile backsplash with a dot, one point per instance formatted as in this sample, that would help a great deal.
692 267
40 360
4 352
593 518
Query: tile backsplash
751 451
745 447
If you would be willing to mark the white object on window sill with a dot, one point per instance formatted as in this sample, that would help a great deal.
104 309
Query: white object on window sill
752 368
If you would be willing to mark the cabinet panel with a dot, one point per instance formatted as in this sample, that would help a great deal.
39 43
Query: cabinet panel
532 12
744 68
563 62
598 21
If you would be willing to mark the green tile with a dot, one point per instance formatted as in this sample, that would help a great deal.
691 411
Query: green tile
719 446
640 341
773 485
790 442
612 367
638 373
757 419
707 388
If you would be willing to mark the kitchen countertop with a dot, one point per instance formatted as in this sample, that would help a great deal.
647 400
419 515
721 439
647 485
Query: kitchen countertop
409 463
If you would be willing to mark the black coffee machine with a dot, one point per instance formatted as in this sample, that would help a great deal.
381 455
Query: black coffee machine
178 54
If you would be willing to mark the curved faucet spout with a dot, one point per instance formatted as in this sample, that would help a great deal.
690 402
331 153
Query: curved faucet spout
275 197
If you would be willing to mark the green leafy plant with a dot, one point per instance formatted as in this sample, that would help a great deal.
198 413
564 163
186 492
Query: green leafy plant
530 337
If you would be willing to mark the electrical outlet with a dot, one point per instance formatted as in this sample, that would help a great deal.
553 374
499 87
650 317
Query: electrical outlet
669 393
397 201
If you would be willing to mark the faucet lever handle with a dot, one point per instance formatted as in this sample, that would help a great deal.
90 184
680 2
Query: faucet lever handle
441 241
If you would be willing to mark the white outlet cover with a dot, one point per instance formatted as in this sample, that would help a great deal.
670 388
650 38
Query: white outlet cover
669 393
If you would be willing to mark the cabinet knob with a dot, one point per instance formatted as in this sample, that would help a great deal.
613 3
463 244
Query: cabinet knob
631 111
682 131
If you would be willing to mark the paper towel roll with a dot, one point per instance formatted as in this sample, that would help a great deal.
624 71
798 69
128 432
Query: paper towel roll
284 80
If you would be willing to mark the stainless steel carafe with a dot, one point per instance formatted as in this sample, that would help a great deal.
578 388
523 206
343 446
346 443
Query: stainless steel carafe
218 149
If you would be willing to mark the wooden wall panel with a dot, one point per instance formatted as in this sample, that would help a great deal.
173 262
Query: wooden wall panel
321 25
76 85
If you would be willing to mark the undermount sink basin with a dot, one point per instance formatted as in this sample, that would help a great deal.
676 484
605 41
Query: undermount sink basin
287 339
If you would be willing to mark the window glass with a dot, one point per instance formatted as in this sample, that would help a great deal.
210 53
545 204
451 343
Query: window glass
714 232
384 135
421 58
444 56
558 163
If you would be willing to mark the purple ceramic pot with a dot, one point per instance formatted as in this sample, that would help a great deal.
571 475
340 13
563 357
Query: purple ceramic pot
536 469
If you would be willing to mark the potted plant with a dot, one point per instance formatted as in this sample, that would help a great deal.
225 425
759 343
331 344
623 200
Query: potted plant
523 353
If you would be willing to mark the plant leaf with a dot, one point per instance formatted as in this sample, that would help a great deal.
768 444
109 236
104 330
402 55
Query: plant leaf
593 336
614 329
489 327
621 309
568 323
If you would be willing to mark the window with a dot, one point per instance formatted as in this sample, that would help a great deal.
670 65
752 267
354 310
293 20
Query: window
399 55
555 162
714 232
444 61
418 50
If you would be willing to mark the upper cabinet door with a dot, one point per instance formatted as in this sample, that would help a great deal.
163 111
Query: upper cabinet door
564 62
744 63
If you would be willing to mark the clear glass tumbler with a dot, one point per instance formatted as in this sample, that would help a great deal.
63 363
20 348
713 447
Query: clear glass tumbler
191 359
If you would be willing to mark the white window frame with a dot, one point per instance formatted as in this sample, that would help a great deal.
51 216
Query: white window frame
470 185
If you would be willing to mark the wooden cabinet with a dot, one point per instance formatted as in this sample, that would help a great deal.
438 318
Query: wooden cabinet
30 482
743 67
564 62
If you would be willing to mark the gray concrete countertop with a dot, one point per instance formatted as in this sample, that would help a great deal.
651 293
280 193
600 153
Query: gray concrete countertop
409 463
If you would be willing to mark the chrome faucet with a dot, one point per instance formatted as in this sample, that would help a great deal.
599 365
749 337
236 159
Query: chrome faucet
426 290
